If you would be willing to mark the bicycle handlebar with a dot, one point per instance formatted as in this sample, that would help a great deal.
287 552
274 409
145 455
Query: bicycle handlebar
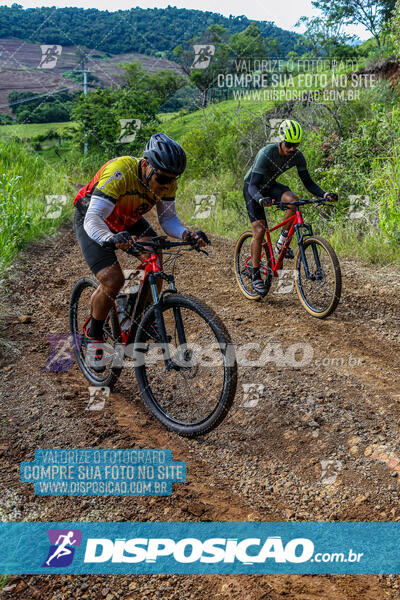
160 242
286 205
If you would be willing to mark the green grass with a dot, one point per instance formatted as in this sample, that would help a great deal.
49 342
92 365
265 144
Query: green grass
167 116
3 581
27 211
29 130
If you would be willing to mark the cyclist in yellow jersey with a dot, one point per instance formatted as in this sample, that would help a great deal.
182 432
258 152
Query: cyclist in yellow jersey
109 215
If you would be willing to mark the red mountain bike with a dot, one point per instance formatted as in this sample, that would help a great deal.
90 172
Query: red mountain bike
317 270
181 353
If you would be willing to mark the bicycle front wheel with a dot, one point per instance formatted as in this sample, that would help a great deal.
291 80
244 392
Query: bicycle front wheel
320 292
194 395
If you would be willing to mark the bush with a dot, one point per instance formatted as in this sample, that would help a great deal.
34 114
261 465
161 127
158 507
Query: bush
6 119
99 113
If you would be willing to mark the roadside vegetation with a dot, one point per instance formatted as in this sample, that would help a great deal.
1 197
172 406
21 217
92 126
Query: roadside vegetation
34 198
352 145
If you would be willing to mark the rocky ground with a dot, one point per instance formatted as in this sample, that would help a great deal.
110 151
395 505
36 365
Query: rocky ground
319 442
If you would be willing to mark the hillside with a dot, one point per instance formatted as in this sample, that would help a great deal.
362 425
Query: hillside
19 68
155 31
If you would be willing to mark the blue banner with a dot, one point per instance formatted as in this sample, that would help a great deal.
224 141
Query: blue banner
103 472
200 548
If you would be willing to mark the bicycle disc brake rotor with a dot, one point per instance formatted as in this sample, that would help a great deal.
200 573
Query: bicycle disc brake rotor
187 361
319 277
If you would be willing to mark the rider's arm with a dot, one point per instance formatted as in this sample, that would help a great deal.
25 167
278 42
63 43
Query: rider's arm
94 225
255 183
311 186
168 218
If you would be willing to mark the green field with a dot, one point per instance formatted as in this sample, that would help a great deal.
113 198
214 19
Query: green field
30 130
351 148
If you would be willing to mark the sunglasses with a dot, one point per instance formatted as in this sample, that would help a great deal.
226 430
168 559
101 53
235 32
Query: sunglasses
291 145
164 179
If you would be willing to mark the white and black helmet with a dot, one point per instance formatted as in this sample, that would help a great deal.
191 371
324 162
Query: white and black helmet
165 154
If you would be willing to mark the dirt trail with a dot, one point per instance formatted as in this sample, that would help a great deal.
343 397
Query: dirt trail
263 463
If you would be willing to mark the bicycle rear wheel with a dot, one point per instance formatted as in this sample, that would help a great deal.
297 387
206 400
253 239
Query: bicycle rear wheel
320 294
195 396
243 266
79 312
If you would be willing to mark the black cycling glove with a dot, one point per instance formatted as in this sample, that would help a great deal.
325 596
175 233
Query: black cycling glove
123 237
192 240
267 201
332 194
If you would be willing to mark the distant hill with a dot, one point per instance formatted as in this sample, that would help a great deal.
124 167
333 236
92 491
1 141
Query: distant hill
153 31
19 62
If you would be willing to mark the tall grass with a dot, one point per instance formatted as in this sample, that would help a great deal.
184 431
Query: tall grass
26 212
361 163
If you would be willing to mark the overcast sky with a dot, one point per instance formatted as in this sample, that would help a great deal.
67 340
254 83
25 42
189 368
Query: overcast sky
283 13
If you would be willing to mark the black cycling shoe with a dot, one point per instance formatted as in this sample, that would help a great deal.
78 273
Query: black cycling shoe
259 287
94 350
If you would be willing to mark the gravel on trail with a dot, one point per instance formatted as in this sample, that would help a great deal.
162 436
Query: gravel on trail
309 442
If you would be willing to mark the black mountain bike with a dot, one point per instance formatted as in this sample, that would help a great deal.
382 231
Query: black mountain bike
181 352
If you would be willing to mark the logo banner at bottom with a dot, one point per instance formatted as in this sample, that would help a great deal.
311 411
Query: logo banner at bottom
199 548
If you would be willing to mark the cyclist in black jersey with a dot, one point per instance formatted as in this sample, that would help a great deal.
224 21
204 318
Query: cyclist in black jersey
261 189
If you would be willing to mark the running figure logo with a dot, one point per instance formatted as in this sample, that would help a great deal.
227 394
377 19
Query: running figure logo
50 55
60 552
203 54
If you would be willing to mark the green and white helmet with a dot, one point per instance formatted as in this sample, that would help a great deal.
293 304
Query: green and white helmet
290 131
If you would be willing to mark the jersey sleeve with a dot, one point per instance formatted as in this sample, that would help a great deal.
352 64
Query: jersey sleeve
301 162
112 183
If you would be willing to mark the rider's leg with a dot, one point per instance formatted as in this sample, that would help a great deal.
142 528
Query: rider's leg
258 228
257 283
287 198
111 281
258 224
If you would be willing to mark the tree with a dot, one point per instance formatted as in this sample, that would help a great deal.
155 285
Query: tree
249 45
395 28
160 86
369 13
99 114
225 53
5 119
323 37
212 48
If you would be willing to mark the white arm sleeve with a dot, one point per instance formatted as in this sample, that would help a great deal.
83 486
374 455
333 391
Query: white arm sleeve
94 225
168 219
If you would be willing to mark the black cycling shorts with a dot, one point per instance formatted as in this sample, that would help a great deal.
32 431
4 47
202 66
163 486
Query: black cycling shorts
95 255
256 212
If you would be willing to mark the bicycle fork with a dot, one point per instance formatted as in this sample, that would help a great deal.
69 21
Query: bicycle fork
300 238
158 301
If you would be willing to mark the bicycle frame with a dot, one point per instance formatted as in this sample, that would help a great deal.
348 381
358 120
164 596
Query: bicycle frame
152 270
296 224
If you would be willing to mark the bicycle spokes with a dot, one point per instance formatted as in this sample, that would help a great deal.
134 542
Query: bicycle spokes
316 277
190 390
